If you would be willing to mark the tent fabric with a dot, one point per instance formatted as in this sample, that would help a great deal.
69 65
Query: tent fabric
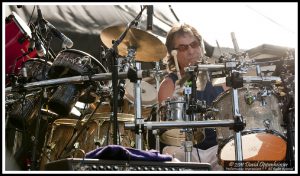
83 23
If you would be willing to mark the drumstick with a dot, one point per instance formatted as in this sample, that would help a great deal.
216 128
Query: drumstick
174 54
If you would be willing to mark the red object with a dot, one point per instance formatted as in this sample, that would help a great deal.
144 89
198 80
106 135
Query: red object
17 41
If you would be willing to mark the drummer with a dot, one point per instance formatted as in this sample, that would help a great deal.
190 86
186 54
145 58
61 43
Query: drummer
189 47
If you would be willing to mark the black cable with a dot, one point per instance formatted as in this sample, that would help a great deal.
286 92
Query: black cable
31 15
174 13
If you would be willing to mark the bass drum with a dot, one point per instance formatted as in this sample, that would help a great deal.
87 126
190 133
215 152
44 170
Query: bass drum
264 125
71 62
97 133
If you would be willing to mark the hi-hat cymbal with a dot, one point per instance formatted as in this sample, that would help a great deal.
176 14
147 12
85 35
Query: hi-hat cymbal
148 47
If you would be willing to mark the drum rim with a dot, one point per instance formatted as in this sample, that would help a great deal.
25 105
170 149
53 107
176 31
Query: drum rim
83 53
16 18
37 59
223 94
245 132
105 117
65 121
253 131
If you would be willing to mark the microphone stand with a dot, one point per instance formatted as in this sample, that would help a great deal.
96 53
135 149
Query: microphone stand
42 101
111 55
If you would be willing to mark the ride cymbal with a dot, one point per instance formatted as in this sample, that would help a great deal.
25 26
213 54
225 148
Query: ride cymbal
148 47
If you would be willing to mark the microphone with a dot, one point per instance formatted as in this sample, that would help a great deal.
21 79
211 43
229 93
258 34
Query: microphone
40 20
149 17
66 41
40 49
31 45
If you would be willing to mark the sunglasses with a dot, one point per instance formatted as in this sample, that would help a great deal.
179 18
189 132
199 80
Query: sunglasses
183 48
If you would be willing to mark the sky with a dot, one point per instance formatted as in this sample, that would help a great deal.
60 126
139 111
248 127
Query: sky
253 23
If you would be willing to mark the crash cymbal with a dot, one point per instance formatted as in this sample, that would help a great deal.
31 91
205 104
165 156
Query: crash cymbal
148 93
148 47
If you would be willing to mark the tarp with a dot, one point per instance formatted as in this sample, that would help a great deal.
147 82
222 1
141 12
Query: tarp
83 23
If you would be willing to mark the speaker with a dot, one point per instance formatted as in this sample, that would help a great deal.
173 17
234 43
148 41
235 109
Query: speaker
80 164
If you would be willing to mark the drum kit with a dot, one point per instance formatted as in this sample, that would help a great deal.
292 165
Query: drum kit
106 118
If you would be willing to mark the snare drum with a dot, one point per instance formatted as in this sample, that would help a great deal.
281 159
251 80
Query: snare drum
263 132
17 41
174 109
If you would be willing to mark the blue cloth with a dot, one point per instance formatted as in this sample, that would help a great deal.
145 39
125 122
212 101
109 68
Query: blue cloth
117 152
209 94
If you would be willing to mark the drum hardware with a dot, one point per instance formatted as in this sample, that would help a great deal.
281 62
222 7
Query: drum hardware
121 45
138 113
133 45
131 74
77 132
262 94
157 73
184 124
37 130
235 81
191 108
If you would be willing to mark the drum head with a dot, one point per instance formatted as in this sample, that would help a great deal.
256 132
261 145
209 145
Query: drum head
256 115
259 146
148 93
21 24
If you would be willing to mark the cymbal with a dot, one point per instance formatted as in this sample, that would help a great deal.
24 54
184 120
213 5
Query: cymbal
148 47
148 93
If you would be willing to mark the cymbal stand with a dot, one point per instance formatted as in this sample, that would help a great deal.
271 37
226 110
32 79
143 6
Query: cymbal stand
139 127
157 73
235 81
111 55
